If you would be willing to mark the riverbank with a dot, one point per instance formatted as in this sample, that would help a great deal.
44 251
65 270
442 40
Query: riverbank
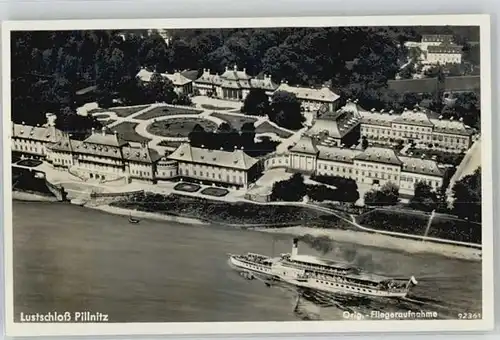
147 215
381 241
340 235
31 197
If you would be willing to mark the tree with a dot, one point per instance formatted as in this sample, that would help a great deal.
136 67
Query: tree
256 103
424 197
291 190
467 197
197 136
388 194
286 110
160 89
247 135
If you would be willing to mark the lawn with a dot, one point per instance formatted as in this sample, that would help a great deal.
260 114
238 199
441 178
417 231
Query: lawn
235 121
214 107
188 187
166 111
179 127
217 192
127 131
121 111
266 127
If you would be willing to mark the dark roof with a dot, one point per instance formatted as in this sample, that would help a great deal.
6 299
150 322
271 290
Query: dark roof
379 155
462 83
424 85
437 37
448 49
190 74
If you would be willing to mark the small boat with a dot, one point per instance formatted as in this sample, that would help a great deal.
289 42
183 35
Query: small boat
133 220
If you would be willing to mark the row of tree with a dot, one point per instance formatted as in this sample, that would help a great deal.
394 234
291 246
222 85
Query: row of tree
229 138
48 67
294 189
466 197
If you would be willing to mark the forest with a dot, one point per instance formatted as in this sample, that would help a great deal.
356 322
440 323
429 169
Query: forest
49 67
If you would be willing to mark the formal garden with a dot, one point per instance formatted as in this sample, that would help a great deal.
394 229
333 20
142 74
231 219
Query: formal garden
126 130
179 127
163 111
121 111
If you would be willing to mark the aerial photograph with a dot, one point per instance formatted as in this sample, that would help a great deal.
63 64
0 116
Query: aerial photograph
246 174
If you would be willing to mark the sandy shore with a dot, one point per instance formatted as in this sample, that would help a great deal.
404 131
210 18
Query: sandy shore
27 196
382 241
148 215
348 236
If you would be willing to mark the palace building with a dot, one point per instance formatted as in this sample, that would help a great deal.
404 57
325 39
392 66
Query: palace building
444 54
312 99
104 157
372 166
182 84
233 84
415 125
234 169
33 141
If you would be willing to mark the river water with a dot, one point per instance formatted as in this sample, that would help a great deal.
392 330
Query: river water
70 258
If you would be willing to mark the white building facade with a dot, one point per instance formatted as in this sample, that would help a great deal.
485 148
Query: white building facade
444 134
372 166
232 169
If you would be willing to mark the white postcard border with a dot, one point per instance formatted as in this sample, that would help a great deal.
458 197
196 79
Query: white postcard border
296 328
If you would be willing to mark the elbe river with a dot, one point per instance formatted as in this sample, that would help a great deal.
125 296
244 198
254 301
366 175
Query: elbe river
70 258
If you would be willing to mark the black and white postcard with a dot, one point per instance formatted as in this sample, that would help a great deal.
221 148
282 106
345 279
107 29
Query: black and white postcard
236 176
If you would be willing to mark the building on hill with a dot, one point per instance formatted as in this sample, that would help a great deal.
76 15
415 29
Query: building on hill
416 125
233 84
444 54
33 141
182 84
104 157
224 168
312 99
435 40
372 166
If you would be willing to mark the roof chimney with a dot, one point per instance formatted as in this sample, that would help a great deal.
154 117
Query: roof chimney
451 118
23 123
115 133
440 117
104 131
226 68
93 130
235 67
244 70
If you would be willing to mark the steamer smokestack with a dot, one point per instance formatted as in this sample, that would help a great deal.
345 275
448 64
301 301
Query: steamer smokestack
295 247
